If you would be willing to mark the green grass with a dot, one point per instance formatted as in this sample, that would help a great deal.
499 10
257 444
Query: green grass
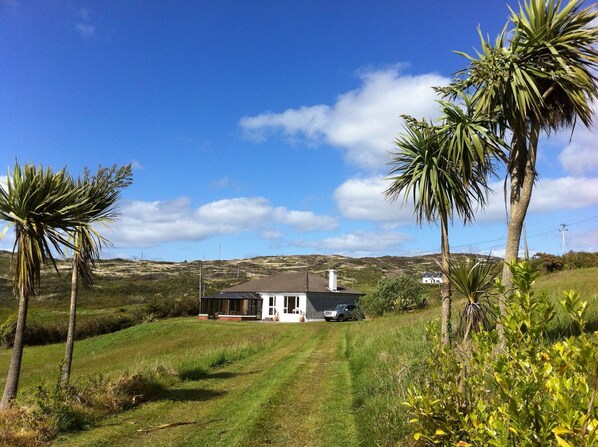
254 384
584 281
385 356
176 343
289 391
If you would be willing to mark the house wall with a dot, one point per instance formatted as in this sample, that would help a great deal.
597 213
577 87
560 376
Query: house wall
311 305
279 306
317 303
432 280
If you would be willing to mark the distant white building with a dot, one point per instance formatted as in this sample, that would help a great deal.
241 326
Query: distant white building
432 278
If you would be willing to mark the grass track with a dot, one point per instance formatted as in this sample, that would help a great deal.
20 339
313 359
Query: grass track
295 393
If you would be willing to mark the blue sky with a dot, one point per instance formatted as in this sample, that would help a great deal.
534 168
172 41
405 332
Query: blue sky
261 128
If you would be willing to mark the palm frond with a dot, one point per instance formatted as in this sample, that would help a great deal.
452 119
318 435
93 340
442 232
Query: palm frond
100 192
475 280
41 206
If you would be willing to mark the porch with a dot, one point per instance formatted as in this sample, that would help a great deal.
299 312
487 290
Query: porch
231 306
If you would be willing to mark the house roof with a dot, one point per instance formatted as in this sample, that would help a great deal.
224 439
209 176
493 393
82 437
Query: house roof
299 282
235 296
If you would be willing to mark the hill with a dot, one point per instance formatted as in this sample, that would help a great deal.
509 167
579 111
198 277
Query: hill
127 292
144 277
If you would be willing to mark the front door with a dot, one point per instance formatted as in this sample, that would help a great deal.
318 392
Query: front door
271 306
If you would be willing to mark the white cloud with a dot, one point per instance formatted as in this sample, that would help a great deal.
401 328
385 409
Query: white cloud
581 155
136 164
359 243
564 193
363 199
364 122
584 241
235 215
84 26
144 224
304 220
306 120
85 30
220 183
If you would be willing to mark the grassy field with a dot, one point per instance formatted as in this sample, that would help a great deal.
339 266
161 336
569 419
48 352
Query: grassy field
260 384
286 385
127 292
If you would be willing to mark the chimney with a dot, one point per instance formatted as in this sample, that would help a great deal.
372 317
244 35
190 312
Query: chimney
332 280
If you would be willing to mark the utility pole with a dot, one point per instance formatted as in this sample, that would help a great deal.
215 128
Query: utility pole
525 249
200 279
562 230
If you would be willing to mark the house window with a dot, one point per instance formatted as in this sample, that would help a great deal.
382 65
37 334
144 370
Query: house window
272 305
291 304
235 307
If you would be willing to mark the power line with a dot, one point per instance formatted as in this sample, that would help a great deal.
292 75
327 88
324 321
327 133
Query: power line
502 239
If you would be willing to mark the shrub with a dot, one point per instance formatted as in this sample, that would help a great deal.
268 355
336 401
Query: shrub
16 429
167 307
7 331
549 263
580 259
60 409
527 393
571 260
43 333
391 295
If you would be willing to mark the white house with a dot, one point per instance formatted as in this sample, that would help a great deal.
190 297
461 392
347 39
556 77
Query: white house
287 297
432 278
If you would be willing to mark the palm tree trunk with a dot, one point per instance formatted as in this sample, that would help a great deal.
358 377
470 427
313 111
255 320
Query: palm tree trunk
14 370
70 338
445 291
523 176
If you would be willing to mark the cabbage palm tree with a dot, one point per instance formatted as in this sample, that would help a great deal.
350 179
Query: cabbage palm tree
41 206
538 76
423 169
474 279
103 190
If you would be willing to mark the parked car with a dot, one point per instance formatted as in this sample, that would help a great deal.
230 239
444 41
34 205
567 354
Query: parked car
340 312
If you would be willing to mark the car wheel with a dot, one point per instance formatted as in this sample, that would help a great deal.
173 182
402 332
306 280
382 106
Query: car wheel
327 319
341 318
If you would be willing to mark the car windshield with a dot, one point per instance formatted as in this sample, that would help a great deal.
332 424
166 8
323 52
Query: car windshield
339 307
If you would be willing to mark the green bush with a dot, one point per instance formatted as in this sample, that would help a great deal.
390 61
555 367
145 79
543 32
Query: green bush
549 263
571 260
168 307
7 331
525 392
392 295
580 259
43 333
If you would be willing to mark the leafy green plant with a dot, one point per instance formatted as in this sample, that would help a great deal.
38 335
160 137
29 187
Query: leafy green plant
167 307
7 331
527 393
474 279
398 294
